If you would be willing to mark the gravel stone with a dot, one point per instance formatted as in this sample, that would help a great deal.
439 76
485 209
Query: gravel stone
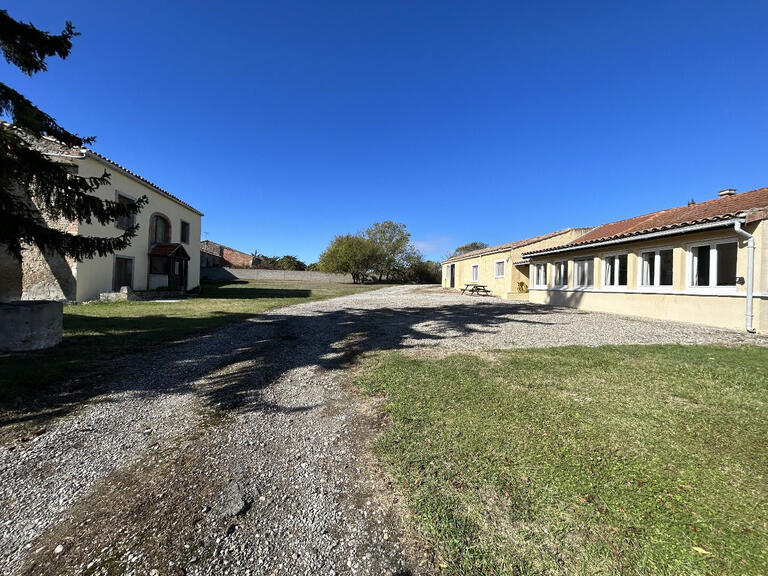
242 452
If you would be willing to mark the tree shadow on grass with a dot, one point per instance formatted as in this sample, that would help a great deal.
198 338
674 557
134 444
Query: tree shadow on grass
254 293
230 368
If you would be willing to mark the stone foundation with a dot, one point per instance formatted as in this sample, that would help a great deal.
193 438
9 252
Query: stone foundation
30 325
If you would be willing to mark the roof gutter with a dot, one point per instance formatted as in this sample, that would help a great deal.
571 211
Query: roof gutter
648 236
750 273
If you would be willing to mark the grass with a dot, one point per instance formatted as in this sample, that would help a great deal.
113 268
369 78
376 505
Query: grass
95 332
611 460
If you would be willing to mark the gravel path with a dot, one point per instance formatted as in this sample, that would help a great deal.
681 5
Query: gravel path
242 452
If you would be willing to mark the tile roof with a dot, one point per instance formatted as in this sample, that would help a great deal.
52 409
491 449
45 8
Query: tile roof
152 185
724 208
508 245
173 249
52 147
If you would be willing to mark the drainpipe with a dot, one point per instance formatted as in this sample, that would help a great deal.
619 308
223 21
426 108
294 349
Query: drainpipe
750 271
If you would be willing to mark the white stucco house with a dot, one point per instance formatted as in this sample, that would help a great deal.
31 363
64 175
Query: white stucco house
164 253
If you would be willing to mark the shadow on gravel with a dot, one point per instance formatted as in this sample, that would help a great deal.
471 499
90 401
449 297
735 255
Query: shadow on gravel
230 368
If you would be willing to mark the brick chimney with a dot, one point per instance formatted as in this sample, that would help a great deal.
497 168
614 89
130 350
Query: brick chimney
726 192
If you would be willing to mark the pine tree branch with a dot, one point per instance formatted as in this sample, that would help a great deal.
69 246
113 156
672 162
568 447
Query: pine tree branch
26 47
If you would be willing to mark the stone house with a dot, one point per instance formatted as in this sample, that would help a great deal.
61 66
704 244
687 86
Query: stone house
705 263
164 253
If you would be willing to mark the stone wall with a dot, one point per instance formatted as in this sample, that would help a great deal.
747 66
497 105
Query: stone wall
224 274
40 276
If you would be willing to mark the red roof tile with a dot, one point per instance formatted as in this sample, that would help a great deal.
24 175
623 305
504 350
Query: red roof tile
507 246
723 208
169 250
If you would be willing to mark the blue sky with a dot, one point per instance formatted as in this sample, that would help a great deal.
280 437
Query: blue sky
289 122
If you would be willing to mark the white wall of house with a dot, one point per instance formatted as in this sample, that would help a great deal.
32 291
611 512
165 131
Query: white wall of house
95 275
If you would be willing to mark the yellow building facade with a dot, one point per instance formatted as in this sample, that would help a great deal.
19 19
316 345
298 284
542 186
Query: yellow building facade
502 268
694 271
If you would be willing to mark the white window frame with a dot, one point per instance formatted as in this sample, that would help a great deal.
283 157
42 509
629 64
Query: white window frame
537 276
576 275
615 257
655 286
712 286
474 272
555 266
503 268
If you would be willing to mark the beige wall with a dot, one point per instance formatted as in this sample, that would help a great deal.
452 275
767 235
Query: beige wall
95 275
721 306
507 286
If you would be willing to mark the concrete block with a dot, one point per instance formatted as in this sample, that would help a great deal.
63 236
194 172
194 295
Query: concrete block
30 325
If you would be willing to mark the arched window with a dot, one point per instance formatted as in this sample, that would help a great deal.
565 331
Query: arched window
159 229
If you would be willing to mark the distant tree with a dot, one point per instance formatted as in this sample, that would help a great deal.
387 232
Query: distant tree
393 246
350 254
32 186
425 272
290 263
314 267
469 247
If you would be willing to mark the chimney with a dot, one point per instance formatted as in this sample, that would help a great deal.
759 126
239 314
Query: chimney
726 192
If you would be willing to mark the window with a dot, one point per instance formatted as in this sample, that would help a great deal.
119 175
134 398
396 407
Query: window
584 271
475 268
561 273
656 268
185 232
540 275
159 230
123 273
498 269
713 264
129 220
615 270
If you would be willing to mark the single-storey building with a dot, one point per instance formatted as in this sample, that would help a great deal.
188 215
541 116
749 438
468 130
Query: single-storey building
705 263
503 269
164 253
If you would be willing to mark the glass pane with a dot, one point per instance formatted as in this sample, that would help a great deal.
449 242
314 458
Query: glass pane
584 272
700 266
647 268
609 271
622 270
726 264
665 268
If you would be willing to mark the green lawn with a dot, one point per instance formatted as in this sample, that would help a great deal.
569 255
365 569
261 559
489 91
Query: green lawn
97 331
612 460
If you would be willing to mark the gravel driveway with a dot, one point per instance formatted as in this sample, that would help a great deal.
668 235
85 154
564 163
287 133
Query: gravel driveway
242 452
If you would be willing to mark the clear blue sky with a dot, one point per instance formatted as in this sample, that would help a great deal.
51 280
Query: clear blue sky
289 122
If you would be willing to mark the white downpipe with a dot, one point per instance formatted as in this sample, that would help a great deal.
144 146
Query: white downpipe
750 271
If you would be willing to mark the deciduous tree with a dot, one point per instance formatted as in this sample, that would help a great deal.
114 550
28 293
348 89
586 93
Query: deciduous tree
349 254
393 244
469 247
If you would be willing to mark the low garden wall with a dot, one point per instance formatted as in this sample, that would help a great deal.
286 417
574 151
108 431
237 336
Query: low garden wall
224 274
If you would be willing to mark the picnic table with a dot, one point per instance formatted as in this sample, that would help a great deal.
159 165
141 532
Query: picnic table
474 289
